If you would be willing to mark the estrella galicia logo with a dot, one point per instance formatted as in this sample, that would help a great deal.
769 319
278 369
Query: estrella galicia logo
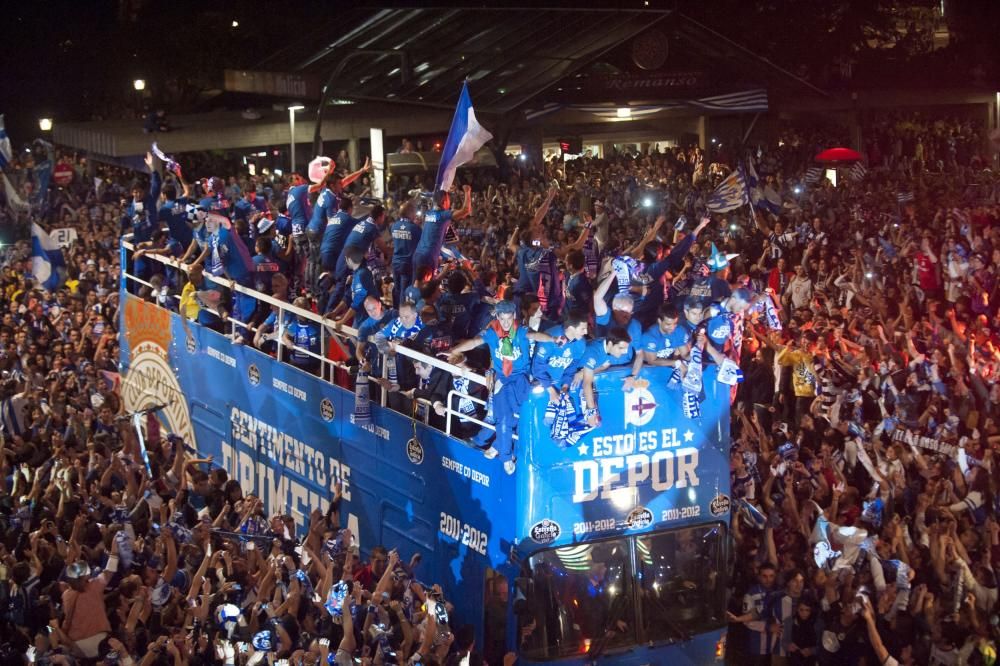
545 531
192 345
326 410
253 375
719 505
415 451
639 518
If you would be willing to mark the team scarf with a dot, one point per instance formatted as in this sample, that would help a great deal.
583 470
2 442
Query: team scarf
506 348
171 165
550 290
362 400
569 425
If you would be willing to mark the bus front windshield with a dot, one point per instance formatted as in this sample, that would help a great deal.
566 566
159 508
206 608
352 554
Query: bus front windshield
611 594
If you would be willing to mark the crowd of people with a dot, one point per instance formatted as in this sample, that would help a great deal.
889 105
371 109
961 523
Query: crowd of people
863 432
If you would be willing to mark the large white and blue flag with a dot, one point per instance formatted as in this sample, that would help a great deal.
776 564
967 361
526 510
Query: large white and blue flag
730 194
6 154
762 196
465 137
47 264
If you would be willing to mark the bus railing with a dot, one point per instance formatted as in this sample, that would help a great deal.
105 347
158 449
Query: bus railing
330 333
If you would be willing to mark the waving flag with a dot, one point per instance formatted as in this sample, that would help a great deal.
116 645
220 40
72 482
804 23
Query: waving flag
465 137
858 172
761 196
904 197
14 199
47 264
813 175
730 194
6 155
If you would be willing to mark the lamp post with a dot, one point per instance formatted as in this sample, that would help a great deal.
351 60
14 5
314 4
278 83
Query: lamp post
291 132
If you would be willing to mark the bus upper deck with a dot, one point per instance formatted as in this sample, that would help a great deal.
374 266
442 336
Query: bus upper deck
626 528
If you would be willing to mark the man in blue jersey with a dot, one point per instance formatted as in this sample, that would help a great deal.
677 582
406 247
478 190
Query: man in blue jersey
365 233
405 238
173 211
427 255
665 343
579 288
250 207
553 364
299 211
327 205
619 314
141 216
508 344
335 234
600 355
362 286
756 612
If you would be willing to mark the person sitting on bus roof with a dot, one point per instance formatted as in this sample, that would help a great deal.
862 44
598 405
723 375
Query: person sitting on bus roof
508 344
600 355
665 343
553 365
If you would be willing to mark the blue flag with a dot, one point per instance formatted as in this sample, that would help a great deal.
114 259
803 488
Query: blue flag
6 155
730 194
47 264
465 137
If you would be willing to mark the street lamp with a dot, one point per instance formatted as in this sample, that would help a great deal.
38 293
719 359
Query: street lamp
139 84
291 131
45 124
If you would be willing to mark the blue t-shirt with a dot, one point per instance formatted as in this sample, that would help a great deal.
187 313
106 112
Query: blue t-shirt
174 213
297 203
264 268
326 207
432 235
362 235
243 209
596 356
579 293
335 234
236 258
406 237
527 269
519 354
554 364
362 285
664 345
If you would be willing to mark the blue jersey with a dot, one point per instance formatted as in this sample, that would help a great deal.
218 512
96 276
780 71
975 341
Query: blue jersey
517 352
634 329
432 235
299 211
362 285
596 356
527 269
664 345
757 602
334 236
554 364
579 293
243 209
362 235
264 268
305 335
217 204
326 207
406 237
174 213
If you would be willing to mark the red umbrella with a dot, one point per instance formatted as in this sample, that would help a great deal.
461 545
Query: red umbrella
839 155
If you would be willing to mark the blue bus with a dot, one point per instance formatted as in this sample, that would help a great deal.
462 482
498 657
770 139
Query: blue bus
615 548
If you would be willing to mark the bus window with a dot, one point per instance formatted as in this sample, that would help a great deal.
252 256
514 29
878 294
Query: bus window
495 617
681 579
577 599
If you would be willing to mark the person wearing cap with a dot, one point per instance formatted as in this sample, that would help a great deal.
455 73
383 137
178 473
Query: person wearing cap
427 255
510 353
85 617
406 236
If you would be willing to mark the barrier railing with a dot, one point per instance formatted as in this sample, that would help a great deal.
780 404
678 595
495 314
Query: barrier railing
330 333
